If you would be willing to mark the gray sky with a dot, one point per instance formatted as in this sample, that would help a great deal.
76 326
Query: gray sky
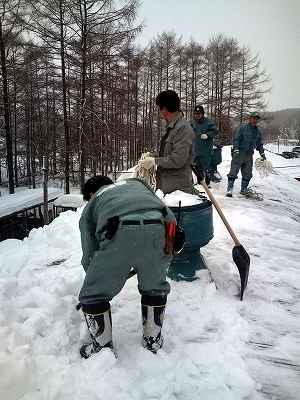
270 28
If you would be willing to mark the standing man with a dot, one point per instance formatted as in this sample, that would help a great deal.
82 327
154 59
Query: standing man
205 131
175 153
124 225
247 138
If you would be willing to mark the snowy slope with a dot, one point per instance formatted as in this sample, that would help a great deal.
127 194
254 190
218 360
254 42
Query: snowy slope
216 347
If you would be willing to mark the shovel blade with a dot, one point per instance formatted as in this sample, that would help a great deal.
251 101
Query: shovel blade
242 261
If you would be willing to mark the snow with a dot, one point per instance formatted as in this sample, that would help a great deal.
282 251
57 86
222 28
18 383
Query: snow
216 347
127 174
25 198
173 199
69 200
285 166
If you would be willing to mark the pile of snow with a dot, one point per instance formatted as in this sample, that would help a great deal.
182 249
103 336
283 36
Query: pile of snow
216 347
173 199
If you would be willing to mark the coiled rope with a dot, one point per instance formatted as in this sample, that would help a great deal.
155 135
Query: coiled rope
148 175
264 167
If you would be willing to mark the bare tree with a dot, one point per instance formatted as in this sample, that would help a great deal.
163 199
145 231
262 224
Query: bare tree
10 29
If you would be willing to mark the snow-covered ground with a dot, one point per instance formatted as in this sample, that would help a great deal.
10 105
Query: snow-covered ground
289 167
216 347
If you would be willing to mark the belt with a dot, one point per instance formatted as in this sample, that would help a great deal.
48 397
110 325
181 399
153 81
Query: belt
144 221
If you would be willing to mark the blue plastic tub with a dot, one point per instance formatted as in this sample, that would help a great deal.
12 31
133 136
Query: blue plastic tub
197 222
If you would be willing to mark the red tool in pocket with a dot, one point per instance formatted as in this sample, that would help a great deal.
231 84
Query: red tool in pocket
170 237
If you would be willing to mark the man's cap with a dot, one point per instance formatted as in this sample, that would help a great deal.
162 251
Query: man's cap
254 114
199 108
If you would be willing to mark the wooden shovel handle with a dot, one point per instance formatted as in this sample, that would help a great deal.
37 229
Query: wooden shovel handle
220 212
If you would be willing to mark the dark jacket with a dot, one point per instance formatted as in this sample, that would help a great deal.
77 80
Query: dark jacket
247 138
175 157
203 148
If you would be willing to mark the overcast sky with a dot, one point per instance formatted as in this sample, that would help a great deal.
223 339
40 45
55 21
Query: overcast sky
270 28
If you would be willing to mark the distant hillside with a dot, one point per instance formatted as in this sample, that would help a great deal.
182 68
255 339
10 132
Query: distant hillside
283 118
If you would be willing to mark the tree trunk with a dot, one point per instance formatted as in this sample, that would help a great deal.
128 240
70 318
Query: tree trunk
82 125
64 89
15 127
9 151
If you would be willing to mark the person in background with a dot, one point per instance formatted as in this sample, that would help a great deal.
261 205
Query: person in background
247 138
124 225
216 160
205 132
175 153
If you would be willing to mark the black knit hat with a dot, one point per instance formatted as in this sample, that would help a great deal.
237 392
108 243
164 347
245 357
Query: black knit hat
199 108
93 184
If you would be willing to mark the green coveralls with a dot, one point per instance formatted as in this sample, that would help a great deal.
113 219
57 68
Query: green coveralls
246 139
139 242
203 148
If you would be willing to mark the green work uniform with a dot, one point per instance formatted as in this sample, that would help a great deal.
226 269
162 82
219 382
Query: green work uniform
203 148
138 242
247 138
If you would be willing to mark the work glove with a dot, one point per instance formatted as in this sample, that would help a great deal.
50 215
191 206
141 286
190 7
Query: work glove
199 172
204 136
147 163
262 156
236 154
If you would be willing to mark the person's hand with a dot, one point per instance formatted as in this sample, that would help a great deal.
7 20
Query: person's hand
262 156
147 163
199 172
204 136
236 154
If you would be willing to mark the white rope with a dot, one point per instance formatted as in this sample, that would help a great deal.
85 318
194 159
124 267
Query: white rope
253 194
148 175
264 167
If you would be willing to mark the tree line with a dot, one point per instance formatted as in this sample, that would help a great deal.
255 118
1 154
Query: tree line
78 93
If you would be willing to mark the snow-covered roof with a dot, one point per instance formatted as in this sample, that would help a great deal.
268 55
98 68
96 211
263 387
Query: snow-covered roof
25 198
215 347
69 200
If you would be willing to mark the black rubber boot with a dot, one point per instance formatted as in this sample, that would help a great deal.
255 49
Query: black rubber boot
98 320
230 187
153 310
215 176
244 186
208 178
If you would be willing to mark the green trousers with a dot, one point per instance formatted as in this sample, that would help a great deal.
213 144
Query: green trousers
244 162
138 244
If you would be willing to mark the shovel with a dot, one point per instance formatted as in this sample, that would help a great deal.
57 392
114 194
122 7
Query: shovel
239 254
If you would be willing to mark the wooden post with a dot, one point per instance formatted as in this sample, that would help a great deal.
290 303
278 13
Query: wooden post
26 222
45 190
